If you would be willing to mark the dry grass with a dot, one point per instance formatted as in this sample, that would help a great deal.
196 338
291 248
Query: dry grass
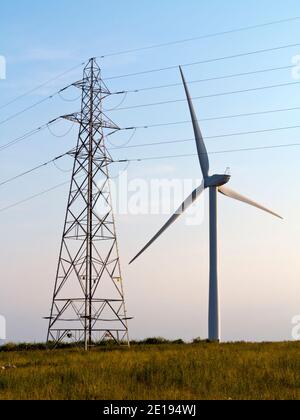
176 372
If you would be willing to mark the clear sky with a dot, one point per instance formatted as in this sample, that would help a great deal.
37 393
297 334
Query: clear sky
167 289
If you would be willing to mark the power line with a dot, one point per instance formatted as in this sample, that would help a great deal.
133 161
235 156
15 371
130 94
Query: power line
35 131
34 105
146 126
58 93
156 158
53 79
156 87
280 146
246 28
241 133
214 95
27 135
43 165
212 60
221 117
210 79
206 36
147 105
34 169
33 197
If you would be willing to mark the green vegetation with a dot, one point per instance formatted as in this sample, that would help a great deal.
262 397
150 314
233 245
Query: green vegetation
154 369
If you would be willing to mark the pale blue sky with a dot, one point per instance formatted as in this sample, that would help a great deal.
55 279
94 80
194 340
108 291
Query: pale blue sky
259 269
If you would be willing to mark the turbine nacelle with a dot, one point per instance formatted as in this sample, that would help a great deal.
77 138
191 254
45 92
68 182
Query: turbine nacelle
216 180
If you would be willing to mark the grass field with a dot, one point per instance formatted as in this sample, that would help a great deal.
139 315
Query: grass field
176 372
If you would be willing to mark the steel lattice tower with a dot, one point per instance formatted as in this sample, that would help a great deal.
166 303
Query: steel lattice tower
88 301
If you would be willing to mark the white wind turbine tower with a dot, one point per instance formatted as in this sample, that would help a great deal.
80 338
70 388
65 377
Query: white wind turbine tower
215 184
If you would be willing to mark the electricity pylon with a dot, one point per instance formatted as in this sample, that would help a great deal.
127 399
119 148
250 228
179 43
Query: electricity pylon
88 302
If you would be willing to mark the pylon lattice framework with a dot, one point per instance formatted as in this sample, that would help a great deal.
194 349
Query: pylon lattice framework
88 302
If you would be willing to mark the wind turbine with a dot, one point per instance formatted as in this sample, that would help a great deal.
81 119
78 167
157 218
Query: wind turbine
215 184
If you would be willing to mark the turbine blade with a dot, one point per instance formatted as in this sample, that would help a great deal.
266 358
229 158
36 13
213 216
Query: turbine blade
236 196
185 205
202 152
